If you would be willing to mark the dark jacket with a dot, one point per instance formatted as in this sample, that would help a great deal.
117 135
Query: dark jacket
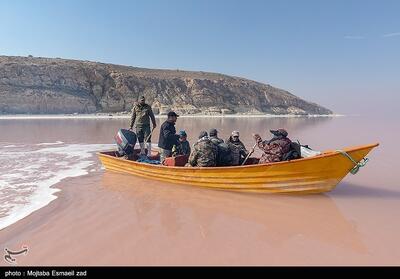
141 116
239 151
183 148
168 137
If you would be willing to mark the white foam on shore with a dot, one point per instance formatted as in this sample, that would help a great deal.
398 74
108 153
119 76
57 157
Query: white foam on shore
28 174
50 143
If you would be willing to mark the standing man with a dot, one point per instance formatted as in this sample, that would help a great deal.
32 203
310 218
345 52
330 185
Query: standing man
168 137
141 116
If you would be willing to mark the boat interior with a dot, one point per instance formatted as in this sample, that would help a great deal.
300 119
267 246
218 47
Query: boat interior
178 161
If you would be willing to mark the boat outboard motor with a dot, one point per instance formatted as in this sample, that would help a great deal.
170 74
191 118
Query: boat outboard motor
126 140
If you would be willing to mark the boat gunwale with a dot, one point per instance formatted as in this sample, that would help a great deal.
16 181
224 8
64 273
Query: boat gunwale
325 154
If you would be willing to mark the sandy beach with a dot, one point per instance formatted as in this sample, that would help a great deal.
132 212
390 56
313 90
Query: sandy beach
103 218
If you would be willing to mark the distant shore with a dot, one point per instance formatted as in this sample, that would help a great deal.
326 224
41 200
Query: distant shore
127 116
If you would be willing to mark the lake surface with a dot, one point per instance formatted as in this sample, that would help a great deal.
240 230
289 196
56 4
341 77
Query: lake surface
358 222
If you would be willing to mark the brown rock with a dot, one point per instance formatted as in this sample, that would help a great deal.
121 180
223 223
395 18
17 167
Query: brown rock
46 85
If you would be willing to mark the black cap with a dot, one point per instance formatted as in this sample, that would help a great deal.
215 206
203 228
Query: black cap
172 113
182 133
279 132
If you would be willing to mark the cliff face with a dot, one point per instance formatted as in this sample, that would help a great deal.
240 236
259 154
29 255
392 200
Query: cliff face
46 85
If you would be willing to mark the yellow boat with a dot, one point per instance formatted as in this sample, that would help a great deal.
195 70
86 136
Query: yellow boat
315 174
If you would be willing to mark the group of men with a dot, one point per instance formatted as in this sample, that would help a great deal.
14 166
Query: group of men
209 150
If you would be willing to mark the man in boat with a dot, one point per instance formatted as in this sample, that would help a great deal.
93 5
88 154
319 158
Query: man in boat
239 151
168 137
275 148
224 156
214 136
141 116
183 147
204 152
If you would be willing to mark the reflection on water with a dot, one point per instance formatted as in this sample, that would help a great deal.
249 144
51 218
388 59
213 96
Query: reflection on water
351 191
277 218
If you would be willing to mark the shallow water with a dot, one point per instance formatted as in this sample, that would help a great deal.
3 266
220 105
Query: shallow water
27 172
358 220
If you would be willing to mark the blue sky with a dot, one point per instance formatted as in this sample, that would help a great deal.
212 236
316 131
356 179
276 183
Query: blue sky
344 55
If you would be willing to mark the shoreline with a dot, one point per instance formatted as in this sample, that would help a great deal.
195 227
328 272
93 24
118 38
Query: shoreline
128 116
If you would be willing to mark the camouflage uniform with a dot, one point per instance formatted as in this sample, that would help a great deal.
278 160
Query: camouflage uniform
181 149
274 149
204 153
216 140
224 156
239 151
141 116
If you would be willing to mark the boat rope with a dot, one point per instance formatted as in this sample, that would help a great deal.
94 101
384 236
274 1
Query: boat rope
358 165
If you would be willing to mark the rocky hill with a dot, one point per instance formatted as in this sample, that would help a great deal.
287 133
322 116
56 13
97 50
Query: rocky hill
51 85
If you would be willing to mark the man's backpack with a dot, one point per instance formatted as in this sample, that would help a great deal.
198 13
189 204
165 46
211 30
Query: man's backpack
224 157
293 153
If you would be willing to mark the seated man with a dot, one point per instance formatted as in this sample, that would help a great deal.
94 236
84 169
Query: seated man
214 136
274 149
183 147
224 153
204 153
239 151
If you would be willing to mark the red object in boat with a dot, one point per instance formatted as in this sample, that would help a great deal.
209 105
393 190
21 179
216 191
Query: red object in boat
178 161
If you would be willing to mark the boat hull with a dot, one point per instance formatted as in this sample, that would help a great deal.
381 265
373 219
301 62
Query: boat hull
308 175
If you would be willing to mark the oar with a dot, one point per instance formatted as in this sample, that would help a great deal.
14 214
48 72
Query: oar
147 139
251 152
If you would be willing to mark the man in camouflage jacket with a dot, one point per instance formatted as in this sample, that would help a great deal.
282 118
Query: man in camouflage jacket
274 149
141 116
204 152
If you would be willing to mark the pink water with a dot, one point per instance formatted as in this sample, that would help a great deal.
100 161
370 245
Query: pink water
358 223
